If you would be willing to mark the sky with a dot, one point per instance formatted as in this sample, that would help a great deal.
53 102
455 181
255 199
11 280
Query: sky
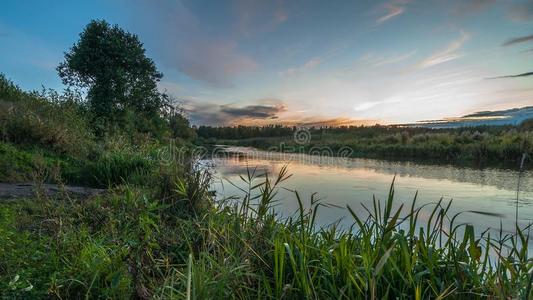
299 62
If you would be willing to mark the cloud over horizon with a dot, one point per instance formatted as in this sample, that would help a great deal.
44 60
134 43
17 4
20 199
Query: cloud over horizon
216 114
254 111
266 113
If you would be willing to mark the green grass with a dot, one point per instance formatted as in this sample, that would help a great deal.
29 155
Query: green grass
24 164
171 242
113 164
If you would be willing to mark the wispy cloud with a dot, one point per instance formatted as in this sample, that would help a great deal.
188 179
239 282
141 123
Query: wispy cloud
527 74
281 16
447 54
383 60
313 62
395 59
310 64
368 105
255 16
392 9
518 40
216 62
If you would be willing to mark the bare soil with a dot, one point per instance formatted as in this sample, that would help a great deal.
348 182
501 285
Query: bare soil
27 190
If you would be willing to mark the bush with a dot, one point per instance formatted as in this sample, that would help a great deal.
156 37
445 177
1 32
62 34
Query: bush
113 168
48 120
23 165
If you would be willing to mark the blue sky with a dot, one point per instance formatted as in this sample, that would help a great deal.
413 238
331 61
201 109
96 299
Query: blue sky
337 62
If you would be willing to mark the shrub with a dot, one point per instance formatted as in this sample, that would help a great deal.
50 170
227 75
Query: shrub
34 119
116 167
22 165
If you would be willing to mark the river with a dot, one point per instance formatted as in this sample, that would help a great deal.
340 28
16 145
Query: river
486 198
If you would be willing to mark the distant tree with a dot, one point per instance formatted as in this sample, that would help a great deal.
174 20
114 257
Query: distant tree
111 64
527 124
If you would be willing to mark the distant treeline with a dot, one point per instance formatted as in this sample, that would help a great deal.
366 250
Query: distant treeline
243 132
466 145
248 132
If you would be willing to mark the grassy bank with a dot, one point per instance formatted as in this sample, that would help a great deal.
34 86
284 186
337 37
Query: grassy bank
501 145
113 164
50 136
170 241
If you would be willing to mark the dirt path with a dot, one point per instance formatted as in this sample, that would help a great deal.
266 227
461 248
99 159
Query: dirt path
25 190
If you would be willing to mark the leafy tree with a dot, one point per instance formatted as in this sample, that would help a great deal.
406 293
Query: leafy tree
111 64
180 126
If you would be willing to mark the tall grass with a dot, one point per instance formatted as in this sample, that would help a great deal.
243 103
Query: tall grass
384 255
49 120
135 243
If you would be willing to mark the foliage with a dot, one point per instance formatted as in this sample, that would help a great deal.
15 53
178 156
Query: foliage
18 165
180 126
48 120
111 63
119 164
49 132
113 163
527 125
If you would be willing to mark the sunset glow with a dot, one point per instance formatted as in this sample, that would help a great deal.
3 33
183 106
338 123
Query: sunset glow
301 62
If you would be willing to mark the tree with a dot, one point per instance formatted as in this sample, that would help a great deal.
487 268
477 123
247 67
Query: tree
111 64
180 127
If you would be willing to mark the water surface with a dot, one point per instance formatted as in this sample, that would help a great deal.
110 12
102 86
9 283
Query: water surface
486 197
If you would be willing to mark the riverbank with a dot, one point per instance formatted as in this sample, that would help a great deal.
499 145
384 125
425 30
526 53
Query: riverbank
171 242
13 191
497 146
157 233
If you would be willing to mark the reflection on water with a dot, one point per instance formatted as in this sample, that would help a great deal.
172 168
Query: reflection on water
484 197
